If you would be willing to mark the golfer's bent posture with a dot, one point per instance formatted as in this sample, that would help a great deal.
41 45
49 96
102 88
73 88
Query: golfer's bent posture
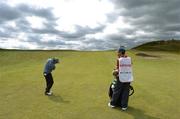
121 91
49 66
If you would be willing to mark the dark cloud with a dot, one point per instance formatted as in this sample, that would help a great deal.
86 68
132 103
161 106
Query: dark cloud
81 32
52 43
23 25
8 31
160 18
4 34
148 20
36 11
8 13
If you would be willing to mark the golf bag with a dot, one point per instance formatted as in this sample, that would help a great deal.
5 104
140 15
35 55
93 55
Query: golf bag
110 92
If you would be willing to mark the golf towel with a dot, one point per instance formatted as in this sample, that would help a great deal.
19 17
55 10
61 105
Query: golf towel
125 69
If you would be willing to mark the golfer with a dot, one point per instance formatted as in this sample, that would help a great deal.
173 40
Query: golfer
49 66
121 91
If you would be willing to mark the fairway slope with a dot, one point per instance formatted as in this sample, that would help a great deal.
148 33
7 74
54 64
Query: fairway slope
81 83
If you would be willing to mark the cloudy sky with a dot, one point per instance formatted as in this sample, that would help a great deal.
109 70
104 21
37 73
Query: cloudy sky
86 24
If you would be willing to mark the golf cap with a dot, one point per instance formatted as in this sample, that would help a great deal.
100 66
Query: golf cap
121 49
56 60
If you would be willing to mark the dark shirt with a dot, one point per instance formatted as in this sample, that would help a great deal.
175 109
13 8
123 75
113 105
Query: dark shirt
50 65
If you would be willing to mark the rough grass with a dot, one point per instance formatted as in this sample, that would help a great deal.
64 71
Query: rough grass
168 46
81 83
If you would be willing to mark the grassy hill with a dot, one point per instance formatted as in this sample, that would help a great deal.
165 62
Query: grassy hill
170 45
81 83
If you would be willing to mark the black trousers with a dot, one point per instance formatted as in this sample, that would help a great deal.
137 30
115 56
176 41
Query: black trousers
49 82
120 95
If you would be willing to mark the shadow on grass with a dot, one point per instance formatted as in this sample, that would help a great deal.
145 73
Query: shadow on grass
139 114
58 99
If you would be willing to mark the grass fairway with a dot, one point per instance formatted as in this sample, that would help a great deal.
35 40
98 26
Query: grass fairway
81 83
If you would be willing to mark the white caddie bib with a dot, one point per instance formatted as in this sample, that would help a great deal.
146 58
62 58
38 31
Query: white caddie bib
125 69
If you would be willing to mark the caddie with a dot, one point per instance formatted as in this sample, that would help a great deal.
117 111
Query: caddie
120 95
